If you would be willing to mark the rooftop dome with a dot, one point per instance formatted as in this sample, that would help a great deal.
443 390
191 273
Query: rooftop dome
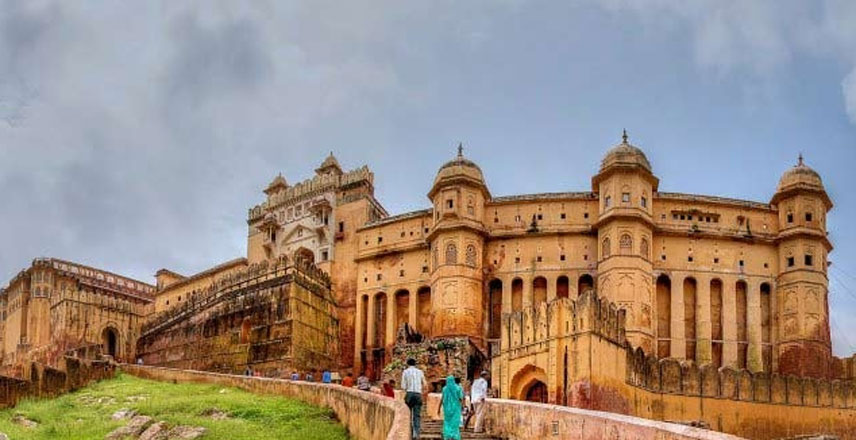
278 182
460 168
329 164
624 154
800 175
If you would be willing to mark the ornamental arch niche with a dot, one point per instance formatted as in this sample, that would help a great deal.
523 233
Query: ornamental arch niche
494 311
110 341
584 284
305 254
530 384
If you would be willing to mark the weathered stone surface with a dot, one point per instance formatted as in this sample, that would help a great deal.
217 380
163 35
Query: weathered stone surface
186 432
19 419
215 414
134 428
157 431
123 413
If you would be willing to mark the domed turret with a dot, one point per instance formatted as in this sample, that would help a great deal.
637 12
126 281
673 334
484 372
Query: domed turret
801 178
458 170
801 175
625 155
278 183
329 166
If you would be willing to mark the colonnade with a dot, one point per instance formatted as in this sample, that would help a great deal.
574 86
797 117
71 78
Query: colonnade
380 314
713 320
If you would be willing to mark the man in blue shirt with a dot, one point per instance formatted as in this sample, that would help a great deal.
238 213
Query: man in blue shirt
326 376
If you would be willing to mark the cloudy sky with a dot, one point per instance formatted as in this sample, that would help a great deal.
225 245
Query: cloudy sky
136 137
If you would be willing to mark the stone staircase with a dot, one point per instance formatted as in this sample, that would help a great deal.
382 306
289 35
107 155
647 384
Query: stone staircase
433 430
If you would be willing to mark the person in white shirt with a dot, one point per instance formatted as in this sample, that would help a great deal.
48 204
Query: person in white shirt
478 394
413 383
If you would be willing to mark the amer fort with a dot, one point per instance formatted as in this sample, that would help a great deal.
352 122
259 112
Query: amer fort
613 312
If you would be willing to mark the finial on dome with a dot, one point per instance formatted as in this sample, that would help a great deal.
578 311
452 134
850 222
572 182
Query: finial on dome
800 160
624 136
460 149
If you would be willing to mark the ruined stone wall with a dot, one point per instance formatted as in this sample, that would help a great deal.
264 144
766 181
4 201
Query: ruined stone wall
273 319
45 381
367 416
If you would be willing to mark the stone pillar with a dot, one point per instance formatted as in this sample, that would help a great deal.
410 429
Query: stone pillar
729 323
704 349
359 322
370 322
390 319
754 361
678 346
528 292
551 288
506 308
412 304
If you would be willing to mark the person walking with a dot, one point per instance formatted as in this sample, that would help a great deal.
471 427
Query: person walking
326 376
363 383
348 381
478 394
450 405
413 383
388 388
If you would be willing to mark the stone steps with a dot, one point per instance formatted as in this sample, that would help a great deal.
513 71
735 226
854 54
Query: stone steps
433 430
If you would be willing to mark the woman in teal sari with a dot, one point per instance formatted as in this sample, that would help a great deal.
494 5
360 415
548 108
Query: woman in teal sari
451 403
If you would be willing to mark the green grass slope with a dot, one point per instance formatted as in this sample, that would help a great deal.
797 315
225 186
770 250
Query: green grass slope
86 413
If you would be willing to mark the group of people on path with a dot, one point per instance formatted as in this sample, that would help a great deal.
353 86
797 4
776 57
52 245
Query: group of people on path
451 404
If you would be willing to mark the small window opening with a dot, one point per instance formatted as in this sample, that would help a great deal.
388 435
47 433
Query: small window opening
790 218
808 216
809 261
450 203
790 261
562 257
562 216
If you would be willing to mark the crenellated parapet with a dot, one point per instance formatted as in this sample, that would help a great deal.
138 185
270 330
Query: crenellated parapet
564 317
318 184
234 284
671 376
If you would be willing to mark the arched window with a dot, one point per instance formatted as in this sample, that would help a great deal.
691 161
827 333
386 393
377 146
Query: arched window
605 248
625 242
471 255
643 248
471 206
451 254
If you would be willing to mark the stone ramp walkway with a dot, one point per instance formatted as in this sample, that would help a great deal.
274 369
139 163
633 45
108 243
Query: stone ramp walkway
433 430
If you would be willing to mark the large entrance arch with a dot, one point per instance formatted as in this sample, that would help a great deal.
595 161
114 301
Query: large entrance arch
530 383
110 341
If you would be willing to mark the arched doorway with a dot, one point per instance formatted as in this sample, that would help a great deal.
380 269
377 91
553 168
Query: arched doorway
584 284
305 254
529 383
110 341
536 392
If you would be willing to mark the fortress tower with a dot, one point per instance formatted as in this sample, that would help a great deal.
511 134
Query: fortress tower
625 185
802 343
456 242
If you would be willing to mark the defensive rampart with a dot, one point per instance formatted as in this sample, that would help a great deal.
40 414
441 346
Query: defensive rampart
367 416
572 352
44 381
270 318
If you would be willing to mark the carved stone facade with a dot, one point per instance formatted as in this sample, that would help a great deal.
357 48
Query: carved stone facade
271 318
56 305
711 280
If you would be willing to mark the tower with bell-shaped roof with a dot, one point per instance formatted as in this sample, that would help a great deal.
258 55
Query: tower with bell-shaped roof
801 339
456 241
624 185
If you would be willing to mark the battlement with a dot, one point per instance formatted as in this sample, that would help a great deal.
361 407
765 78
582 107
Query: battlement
311 187
235 283
564 317
670 376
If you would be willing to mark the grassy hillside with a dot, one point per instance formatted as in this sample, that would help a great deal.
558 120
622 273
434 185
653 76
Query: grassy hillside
86 414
